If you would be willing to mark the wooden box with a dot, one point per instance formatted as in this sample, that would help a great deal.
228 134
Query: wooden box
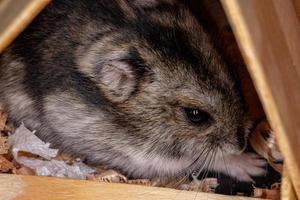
268 34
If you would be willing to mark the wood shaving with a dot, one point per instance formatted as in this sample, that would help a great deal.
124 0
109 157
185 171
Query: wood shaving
28 150
145 182
206 185
24 171
110 176
66 158
23 140
3 120
5 165
3 145
273 193
263 142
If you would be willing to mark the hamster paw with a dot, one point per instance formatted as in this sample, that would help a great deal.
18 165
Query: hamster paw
243 166
246 165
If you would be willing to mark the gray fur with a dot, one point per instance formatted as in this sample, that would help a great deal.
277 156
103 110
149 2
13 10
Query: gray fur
108 80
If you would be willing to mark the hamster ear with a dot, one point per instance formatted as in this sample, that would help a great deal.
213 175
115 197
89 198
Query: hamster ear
117 80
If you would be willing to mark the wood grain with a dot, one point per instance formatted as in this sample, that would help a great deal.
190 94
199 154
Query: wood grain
15 15
269 37
14 187
287 190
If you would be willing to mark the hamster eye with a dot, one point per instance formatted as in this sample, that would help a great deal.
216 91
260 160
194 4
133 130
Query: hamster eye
197 116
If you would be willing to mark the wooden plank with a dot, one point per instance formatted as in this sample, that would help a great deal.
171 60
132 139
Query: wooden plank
269 37
287 190
15 15
14 187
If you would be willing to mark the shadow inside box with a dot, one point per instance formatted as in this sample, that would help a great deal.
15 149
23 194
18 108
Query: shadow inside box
230 186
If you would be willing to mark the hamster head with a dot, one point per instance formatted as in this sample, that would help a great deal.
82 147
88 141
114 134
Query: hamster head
177 100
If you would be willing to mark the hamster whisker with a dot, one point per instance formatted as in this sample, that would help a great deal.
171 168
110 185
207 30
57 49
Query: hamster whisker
225 163
215 173
205 155
211 161
203 150
207 162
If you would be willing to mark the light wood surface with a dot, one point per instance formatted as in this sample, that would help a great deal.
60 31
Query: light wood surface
287 190
15 15
13 187
269 38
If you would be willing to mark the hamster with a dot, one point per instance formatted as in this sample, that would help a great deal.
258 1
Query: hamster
135 85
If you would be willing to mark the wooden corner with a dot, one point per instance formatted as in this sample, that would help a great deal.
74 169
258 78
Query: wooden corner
268 34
